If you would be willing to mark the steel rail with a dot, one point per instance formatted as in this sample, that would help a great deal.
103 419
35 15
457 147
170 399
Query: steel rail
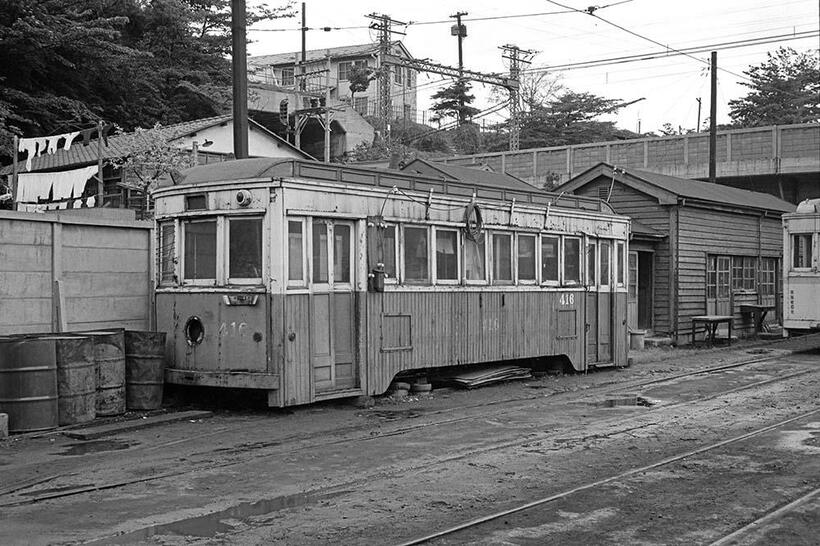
544 500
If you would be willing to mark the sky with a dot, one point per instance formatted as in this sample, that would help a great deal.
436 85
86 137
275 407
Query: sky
668 86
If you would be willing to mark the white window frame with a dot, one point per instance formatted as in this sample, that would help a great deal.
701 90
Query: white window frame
516 276
605 284
291 71
402 248
303 282
351 254
176 273
253 281
475 282
219 273
811 256
559 255
491 237
581 261
624 261
434 267
396 265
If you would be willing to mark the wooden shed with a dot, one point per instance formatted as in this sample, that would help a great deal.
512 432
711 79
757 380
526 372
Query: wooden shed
696 248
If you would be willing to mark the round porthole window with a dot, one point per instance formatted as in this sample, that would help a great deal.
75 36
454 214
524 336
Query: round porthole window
194 331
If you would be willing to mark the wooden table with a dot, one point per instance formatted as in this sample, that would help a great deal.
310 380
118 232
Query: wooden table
711 323
758 312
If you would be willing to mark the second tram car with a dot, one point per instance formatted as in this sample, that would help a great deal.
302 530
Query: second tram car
315 281
801 269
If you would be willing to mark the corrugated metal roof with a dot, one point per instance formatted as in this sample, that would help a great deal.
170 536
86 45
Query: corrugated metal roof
715 193
473 175
315 55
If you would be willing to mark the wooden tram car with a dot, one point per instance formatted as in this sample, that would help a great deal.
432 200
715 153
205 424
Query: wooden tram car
801 269
315 281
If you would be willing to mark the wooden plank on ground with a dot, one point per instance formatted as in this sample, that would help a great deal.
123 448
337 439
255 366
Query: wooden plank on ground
90 433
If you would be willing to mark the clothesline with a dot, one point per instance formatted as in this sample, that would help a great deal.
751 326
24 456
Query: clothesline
38 146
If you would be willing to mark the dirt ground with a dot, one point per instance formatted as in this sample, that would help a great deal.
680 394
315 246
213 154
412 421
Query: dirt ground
334 473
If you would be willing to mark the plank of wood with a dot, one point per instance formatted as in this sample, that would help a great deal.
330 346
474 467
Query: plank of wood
91 433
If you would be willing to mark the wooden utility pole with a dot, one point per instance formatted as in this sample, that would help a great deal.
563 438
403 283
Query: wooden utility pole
713 123
700 103
14 178
100 180
303 64
460 31
239 64
327 109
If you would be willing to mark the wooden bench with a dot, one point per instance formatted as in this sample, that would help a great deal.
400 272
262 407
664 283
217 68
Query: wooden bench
711 323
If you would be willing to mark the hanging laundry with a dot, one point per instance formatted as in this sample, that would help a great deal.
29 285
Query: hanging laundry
52 143
62 185
69 138
28 146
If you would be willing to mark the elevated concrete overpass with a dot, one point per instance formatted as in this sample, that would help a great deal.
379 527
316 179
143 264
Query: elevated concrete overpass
782 159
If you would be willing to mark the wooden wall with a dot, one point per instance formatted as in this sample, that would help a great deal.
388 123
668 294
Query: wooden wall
90 272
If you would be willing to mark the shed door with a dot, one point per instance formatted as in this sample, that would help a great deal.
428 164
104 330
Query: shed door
332 326
718 285
632 292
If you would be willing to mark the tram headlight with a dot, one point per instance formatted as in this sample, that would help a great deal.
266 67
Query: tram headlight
243 198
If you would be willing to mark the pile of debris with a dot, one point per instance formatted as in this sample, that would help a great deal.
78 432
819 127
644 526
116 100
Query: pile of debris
487 375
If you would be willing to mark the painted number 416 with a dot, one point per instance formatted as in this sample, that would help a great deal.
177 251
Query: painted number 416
567 299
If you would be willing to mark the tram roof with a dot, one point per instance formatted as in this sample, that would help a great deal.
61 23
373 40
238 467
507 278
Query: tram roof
480 186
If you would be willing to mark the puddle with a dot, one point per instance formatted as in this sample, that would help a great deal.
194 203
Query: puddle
388 415
210 525
96 446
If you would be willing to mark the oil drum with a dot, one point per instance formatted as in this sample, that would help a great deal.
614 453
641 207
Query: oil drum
28 383
76 379
144 369
109 362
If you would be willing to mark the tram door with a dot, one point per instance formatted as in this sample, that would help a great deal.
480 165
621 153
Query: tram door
332 322
599 302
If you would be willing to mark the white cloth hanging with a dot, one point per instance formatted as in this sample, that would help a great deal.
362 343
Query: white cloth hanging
36 186
69 138
52 144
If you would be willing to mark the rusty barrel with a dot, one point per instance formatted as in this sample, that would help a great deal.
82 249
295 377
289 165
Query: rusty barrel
144 369
76 378
28 383
109 363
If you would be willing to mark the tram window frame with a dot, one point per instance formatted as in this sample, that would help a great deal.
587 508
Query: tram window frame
351 267
392 277
605 262
579 262
456 253
802 261
167 260
467 243
301 282
403 247
558 250
218 222
517 254
592 263
228 254
620 264
497 258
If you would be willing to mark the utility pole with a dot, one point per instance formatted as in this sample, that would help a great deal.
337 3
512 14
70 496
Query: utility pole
516 56
239 64
700 103
383 24
327 106
460 31
303 64
713 123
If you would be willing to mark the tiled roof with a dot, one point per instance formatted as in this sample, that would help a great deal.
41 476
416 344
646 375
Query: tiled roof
474 175
314 55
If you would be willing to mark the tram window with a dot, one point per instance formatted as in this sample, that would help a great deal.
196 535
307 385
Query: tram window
526 257
416 254
502 257
592 278
166 252
619 250
296 260
196 202
389 252
320 251
245 248
549 258
474 260
606 259
801 250
341 253
446 255
200 249
572 260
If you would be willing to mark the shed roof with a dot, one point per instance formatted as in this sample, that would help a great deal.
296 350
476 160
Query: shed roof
314 55
119 145
668 189
478 174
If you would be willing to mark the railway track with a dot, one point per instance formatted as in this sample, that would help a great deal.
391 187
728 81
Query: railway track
363 433
452 532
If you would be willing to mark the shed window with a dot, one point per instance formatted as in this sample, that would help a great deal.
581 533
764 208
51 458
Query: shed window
743 272
245 248
296 259
287 77
474 260
549 258
502 257
165 244
572 260
526 257
446 255
633 276
344 69
768 277
801 251
200 249
416 254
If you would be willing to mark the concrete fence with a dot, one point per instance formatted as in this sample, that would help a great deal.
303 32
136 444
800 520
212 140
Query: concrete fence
74 270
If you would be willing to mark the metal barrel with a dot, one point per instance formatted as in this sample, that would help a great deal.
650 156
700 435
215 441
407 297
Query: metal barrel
144 369
28 383
76 378
109 362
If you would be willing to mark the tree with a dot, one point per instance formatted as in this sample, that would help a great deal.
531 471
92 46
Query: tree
453 102
359 78
784 89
